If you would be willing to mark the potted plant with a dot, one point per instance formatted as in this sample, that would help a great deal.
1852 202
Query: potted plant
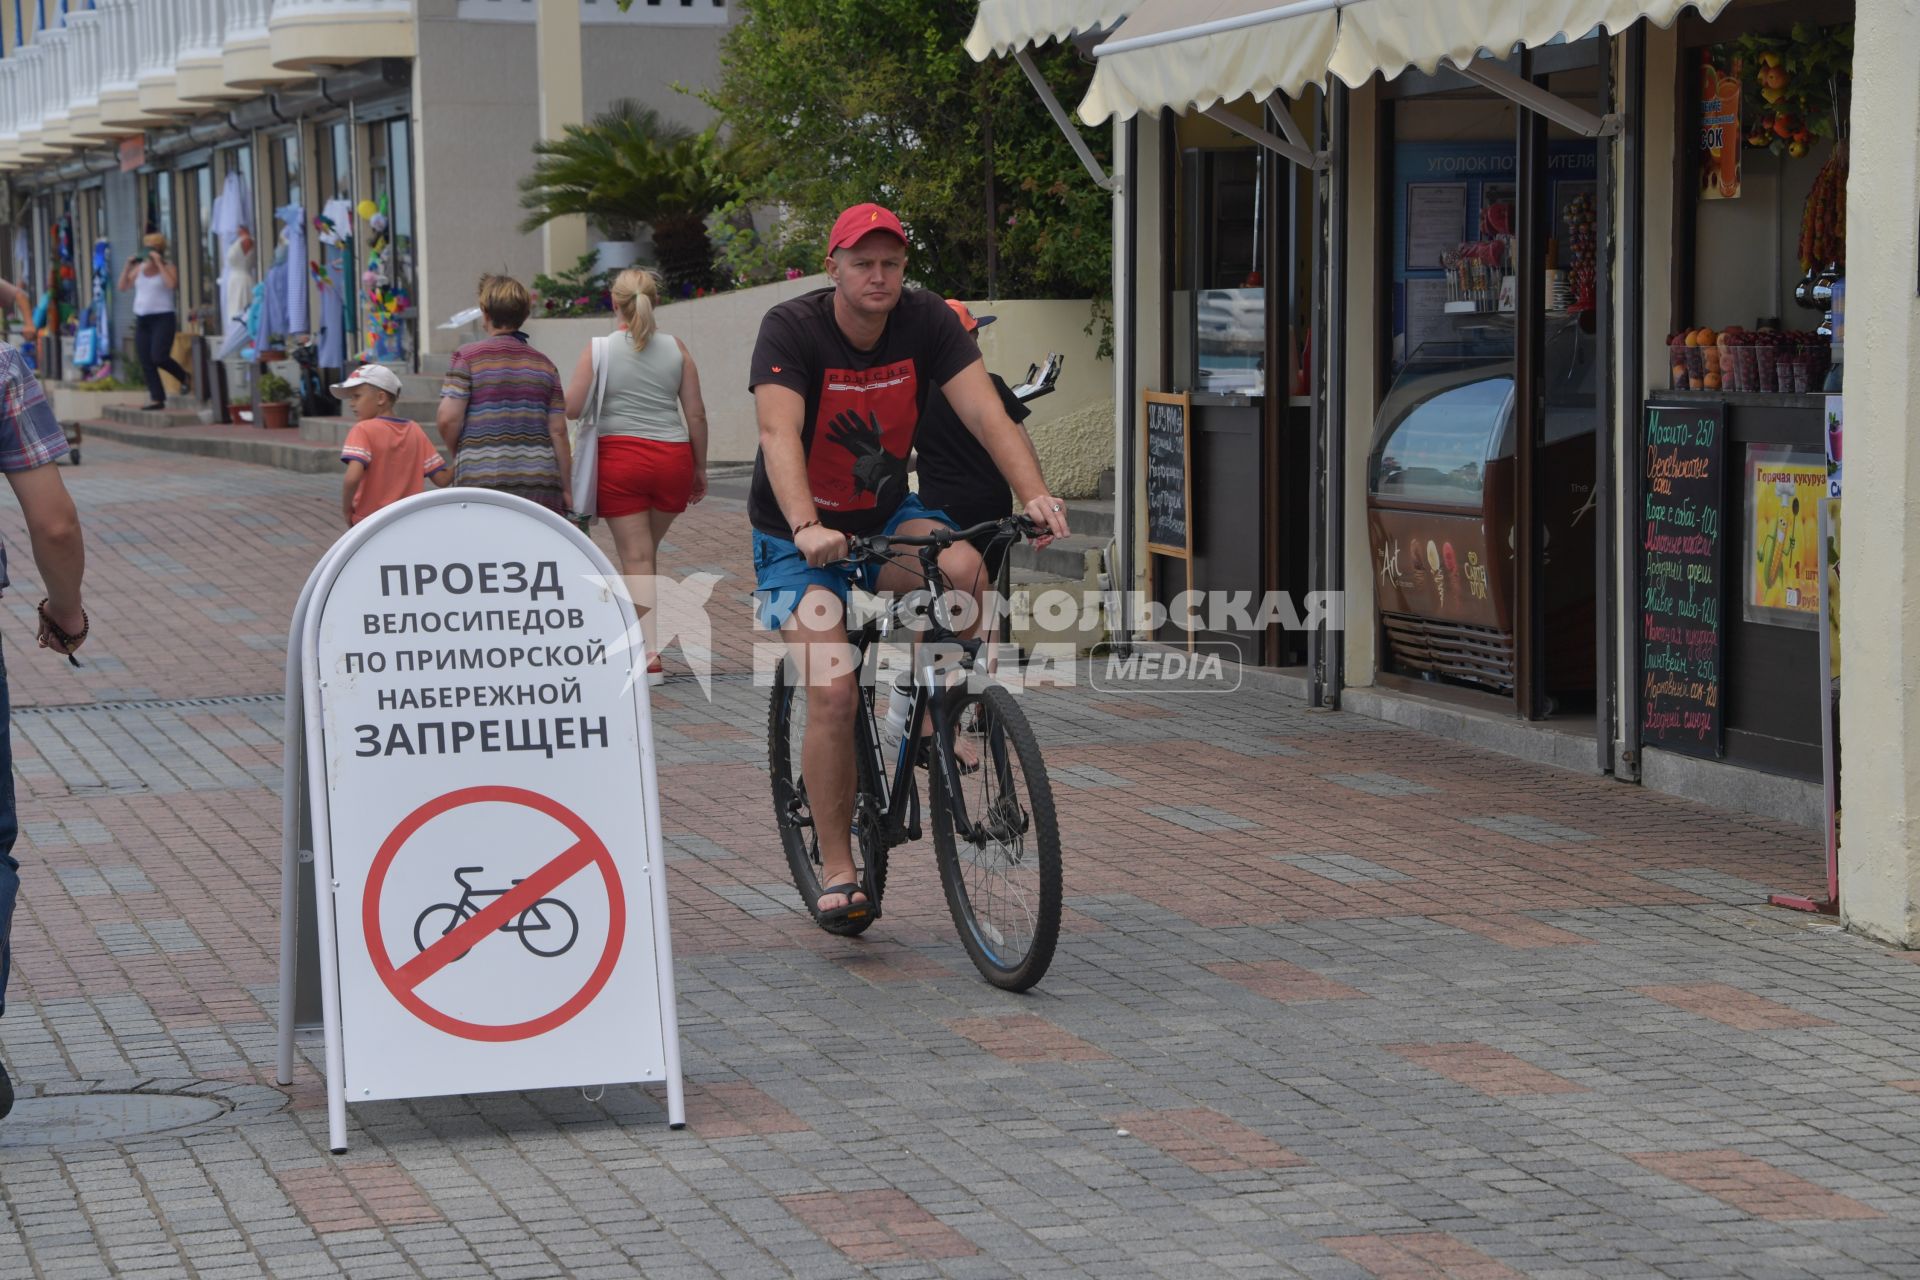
276 402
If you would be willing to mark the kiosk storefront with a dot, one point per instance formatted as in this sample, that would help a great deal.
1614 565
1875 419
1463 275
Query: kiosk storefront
1517 248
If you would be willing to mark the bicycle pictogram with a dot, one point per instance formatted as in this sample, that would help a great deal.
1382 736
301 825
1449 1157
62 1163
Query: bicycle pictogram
548 916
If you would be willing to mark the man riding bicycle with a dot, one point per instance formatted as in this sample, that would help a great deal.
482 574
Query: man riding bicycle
840 377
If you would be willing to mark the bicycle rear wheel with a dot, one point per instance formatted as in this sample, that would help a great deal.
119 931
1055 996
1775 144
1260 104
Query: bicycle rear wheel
998 843
786 729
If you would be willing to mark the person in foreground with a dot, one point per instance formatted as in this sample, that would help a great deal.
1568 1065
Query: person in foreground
31 441
840 377
386 457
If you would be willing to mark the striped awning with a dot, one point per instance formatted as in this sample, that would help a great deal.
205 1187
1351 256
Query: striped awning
1008 26
1192 54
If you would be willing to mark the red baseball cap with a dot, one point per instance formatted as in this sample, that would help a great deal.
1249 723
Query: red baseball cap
860 221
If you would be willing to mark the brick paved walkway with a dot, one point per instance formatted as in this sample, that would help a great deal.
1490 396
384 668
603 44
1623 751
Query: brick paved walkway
1335 1000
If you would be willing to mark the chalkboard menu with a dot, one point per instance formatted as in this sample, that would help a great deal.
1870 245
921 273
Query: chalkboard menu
1682 641
1169 443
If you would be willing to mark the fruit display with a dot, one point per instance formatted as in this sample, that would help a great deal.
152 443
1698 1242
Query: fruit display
1823 226
1737 359
1796 85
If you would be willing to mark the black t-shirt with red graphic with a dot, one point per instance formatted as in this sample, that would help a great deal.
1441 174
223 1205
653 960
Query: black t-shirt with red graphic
863 407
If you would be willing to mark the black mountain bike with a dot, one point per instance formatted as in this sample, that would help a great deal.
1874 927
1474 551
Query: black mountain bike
994 833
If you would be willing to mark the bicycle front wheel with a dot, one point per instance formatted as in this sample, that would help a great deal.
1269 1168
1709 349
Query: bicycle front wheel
786 730
997 842
548 928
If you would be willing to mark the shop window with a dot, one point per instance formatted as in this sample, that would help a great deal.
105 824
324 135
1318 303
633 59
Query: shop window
1224 271
283 169
197 251
160 204
388 248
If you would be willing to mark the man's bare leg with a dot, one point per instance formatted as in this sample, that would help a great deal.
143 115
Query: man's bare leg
819 654
966 573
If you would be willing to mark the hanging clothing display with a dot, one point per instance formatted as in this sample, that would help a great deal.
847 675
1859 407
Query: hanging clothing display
334 227
272 291
293 267
232 214
232 210
92 341
336 218
236 296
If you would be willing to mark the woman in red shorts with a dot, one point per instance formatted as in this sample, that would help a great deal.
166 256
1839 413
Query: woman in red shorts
653 437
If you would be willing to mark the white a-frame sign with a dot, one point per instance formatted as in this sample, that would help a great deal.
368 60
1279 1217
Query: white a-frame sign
470 777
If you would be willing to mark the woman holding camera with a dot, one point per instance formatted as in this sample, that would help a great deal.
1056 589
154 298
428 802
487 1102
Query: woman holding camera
156 320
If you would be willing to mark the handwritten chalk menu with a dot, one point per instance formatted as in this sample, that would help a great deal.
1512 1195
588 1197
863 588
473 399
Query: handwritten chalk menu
1682 647
1169 441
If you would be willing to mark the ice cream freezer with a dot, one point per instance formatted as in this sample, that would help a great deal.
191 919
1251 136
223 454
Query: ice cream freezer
1441 505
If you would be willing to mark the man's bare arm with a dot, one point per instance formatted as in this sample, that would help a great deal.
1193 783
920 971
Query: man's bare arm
782 415
59 551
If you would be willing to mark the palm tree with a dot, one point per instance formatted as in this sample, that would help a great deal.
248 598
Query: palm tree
629 167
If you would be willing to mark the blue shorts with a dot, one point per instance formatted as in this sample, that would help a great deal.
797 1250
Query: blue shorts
782 575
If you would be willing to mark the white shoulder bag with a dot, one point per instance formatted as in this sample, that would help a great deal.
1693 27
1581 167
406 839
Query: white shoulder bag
586 435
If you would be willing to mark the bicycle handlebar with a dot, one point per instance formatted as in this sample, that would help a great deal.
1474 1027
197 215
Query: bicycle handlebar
876 545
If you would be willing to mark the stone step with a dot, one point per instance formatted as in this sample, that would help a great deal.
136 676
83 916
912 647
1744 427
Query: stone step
1029 585
332 432
1073 558
328 431
422 411
134 416
1090 517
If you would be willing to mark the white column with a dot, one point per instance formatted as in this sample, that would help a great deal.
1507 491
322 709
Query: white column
1880 561
561 103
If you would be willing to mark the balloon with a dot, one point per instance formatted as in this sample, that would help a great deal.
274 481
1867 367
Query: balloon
378 222
366 208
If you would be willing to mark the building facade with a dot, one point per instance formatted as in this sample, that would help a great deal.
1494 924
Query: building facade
371 149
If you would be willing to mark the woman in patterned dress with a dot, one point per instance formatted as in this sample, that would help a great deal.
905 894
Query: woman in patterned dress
503 408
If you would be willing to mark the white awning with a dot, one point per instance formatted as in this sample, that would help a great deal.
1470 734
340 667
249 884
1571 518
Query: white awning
1391 35
1195 53
1166 58
1008 26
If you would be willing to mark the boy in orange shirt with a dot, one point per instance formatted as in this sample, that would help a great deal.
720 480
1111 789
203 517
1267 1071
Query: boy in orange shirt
386 457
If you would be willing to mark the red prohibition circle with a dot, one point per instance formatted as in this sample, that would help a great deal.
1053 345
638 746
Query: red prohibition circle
404 991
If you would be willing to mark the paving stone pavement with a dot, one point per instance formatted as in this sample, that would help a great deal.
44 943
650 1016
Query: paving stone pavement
1334 1000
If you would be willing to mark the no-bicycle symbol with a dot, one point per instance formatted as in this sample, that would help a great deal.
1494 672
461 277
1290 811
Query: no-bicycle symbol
506 938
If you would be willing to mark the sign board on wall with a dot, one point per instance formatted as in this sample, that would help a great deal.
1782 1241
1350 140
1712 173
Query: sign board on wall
1784 491
1682 639
1722 140
480 771
1168 441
